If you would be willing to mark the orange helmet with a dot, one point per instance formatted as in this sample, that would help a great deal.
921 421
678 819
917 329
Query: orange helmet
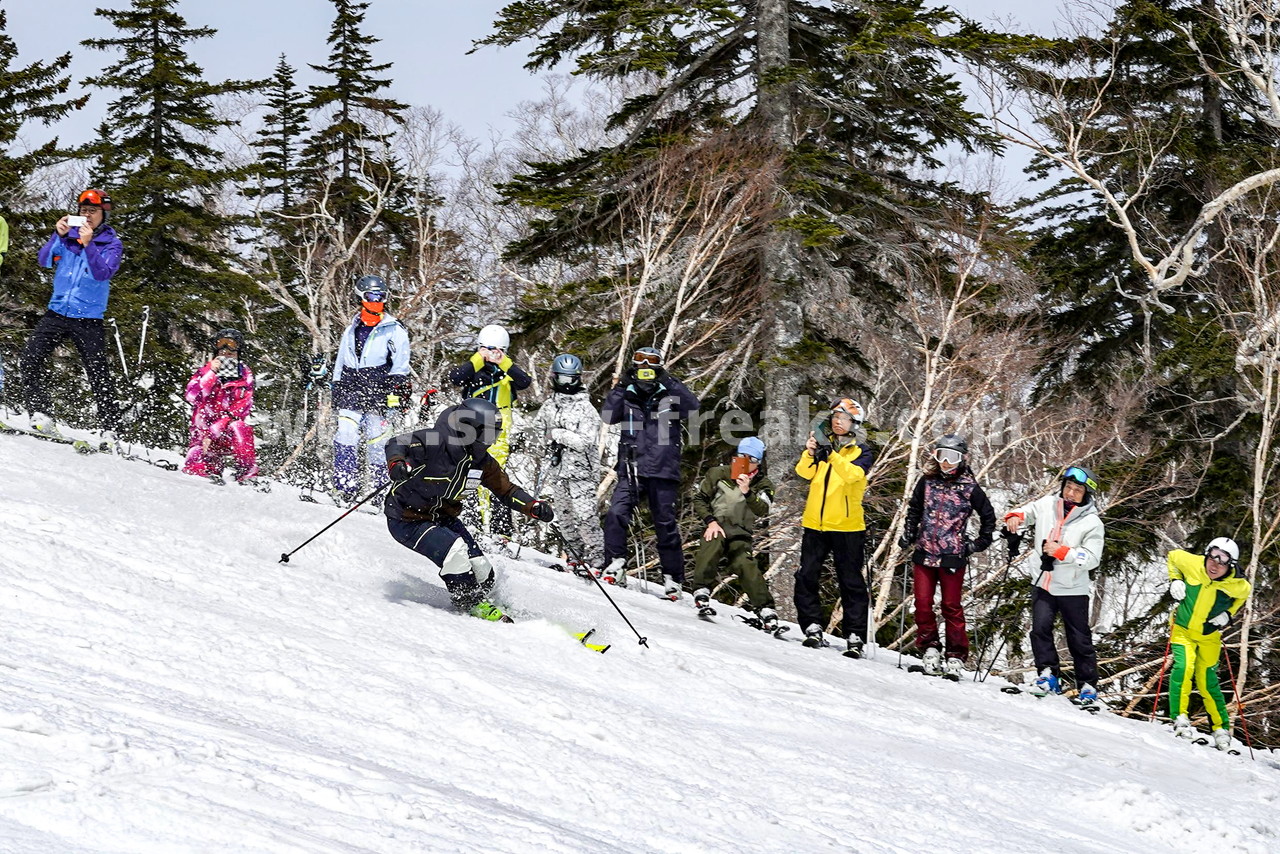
850 407
95 197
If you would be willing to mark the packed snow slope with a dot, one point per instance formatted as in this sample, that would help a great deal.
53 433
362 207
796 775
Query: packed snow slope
169 686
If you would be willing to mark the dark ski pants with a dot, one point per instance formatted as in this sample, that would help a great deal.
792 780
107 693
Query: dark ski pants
926 580
741 563
90 340
1075 619
847 550
466 573
662 495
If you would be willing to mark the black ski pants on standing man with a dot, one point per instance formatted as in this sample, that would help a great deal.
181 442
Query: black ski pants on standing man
1075 620
89 338
847 550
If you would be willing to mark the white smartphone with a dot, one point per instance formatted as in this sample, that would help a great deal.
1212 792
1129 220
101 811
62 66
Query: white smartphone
77 221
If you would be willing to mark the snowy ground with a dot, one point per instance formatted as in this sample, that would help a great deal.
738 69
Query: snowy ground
167 686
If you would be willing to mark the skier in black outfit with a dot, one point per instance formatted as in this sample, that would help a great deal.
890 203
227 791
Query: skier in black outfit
433 468
649 405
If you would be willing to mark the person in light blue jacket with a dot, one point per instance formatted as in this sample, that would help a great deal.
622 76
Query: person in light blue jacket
370 384
84 254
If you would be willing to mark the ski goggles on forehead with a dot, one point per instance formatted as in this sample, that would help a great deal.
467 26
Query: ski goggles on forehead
950 456
1219 556
644 358
1075 474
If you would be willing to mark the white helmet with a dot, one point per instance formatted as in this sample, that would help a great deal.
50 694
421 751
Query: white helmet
494 337
1227 545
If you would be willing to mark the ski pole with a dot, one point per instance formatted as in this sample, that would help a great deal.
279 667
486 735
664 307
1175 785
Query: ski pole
1013 543
1239 707
146 317
576 555
124 365
902 615
1155 706
284 558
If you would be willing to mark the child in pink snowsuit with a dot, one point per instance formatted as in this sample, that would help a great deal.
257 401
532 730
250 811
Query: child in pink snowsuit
222 394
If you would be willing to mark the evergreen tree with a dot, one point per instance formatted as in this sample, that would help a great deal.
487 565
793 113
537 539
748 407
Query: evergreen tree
1180 355
854 98
347 148
156 146
33 93
279 142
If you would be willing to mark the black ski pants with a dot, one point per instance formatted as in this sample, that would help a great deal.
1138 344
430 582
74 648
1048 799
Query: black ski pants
663 497
89 338
1075 619
848 551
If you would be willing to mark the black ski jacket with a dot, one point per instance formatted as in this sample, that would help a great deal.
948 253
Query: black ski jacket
443 465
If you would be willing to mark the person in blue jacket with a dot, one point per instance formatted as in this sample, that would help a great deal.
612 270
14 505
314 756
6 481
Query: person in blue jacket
649 405
370 383
84 258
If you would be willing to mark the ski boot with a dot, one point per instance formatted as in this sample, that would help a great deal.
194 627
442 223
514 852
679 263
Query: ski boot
44 425
670 588
1182 727
615 572
1088 694
853 647
932 661
955 669
1222 739
489 611
768 620
813 636
702 601
1046 683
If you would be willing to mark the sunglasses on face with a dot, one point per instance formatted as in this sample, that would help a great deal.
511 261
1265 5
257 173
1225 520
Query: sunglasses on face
1219 556
1078 475
950 456
755 461
492 349
375 296
643 358
228 347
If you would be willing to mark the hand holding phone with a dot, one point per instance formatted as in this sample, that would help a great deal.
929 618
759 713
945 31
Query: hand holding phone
741 466
77 221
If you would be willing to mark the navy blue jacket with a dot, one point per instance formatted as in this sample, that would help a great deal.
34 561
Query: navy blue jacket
650 425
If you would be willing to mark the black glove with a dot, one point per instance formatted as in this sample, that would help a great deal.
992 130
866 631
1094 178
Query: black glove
557 453
967 549
1012 541
908 538
399 470
821 453
540 510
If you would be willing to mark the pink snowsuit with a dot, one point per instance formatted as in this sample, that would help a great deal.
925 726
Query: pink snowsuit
218 428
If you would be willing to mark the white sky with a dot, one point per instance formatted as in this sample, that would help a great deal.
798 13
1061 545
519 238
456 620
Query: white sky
427 40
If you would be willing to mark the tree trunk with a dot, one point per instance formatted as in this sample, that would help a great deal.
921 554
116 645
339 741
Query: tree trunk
780 271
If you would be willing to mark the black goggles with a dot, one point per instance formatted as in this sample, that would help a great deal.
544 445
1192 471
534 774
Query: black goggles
1219 556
